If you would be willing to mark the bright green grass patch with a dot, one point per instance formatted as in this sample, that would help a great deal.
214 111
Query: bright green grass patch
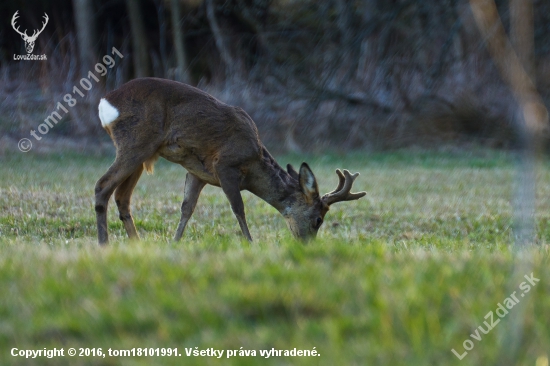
400 277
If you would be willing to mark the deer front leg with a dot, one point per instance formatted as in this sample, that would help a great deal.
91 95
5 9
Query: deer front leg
229 180
192 190
123 195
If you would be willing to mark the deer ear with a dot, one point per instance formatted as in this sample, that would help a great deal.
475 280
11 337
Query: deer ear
308 183
293 173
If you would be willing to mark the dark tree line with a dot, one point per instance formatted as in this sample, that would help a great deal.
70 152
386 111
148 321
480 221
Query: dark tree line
346 73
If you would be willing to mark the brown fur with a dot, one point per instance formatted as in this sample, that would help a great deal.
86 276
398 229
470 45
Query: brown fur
216 143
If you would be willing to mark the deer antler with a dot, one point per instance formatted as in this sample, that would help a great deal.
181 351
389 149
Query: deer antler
36 33
13 19
342 191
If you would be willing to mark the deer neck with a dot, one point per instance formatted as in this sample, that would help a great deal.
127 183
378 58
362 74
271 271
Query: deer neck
272 183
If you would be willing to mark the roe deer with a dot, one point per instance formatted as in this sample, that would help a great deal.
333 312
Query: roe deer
216 143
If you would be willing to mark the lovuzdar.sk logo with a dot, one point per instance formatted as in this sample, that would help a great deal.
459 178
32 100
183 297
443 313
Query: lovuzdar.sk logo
29 40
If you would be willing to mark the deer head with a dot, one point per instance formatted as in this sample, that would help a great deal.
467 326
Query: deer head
306 209
29 40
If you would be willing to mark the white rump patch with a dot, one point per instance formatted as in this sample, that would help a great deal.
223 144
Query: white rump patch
107 113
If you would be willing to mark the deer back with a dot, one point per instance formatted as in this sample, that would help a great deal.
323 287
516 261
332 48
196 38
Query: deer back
187 124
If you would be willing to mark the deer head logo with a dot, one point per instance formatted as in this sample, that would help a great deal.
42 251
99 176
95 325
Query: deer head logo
29 40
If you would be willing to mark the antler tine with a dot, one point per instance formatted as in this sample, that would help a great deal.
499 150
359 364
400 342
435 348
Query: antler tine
13 19
350 178
342 192
341 181
44 23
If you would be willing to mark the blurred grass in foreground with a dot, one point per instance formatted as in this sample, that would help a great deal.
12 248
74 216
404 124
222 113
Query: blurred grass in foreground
399 277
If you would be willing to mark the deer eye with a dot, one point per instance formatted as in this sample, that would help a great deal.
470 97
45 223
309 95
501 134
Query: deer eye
318 222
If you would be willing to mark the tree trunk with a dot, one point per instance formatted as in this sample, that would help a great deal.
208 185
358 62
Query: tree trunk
182 73
221 45
85 33
522 34
84 19
139 39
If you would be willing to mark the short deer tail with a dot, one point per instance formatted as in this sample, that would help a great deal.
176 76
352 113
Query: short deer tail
149 164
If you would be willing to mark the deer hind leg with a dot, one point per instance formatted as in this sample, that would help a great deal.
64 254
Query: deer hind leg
123 195
192 190
124 166
229 180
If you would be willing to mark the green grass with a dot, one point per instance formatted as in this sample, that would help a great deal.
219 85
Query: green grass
400 277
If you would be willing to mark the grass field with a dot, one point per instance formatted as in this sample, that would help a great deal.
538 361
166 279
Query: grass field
399 277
